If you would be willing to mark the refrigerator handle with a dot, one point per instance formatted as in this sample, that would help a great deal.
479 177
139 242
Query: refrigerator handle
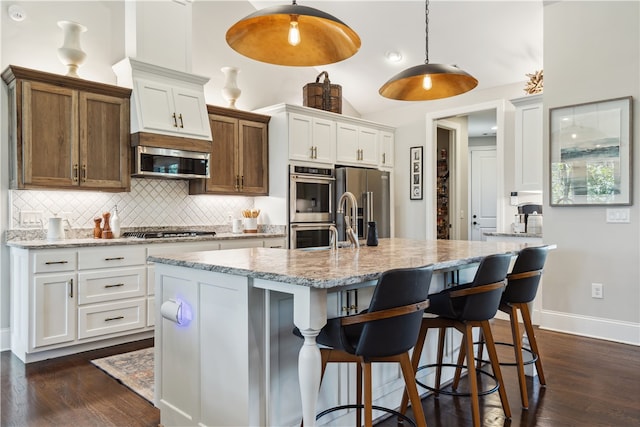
369 206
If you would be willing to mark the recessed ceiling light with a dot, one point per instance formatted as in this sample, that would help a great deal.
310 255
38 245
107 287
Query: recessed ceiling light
16 13
393 56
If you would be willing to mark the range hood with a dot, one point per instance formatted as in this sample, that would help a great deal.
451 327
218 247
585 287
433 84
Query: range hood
168 109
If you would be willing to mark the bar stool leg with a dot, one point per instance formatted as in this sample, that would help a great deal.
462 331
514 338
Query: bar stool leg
441 336
368 410
359 393
528 326
517 349
461 356
473 380
495 365
415 360
410 380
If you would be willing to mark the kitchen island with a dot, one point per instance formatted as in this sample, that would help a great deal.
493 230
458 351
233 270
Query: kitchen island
221 342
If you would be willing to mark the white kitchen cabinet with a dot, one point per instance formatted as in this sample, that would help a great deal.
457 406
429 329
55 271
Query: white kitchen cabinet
174 110
165 101
356 145
387 144
311 139
54 309
528 143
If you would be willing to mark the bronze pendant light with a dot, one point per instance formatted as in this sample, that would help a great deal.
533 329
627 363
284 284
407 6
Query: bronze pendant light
428 81
293 35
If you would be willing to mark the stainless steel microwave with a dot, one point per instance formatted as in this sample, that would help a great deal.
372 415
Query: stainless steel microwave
169 163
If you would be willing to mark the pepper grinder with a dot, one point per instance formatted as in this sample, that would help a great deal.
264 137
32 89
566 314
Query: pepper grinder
97 231
106 229
372 234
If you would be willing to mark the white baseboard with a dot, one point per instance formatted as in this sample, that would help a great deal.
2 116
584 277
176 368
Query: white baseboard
5 339
592 327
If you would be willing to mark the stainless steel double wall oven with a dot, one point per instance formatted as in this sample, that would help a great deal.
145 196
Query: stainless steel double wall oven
311 206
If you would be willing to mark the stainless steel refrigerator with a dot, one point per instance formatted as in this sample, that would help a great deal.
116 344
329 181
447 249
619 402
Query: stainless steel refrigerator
371 189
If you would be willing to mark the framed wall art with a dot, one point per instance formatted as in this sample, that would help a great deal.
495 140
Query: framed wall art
591 153
415 174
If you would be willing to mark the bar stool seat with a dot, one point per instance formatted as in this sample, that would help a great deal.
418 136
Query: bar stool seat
385 332
464 307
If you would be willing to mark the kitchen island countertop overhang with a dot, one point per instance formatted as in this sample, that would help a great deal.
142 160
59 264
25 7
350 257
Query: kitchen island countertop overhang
327 268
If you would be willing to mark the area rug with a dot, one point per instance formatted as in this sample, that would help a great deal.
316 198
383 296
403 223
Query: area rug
133 369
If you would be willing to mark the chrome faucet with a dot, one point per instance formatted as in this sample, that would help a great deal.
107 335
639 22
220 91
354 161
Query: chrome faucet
350 231
333 240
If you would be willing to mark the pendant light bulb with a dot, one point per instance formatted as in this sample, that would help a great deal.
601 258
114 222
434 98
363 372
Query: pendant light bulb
294 31
426 82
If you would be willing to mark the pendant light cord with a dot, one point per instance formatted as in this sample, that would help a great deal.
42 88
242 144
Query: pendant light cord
426 25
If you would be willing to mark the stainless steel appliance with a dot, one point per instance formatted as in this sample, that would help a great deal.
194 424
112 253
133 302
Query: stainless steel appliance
311 194
309 235
371 188
311 206
157 234
168 163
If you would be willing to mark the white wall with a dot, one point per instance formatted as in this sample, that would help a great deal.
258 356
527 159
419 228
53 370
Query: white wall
591 53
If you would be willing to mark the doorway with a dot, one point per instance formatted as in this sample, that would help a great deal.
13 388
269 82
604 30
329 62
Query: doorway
461 214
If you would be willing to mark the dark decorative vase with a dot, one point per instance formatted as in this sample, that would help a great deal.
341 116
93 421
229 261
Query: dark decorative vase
372 234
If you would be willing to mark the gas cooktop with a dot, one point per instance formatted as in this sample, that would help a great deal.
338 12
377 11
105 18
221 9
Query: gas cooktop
166 234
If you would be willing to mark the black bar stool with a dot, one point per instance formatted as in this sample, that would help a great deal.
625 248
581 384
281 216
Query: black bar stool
385 332
464 307
522 286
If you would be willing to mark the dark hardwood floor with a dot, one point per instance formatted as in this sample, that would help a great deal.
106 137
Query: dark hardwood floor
589 383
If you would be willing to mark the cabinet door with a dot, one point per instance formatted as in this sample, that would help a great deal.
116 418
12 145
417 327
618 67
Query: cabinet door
528 148
253 158
54 309
368 145
324 140
223 176
49 135
104 141
156 106
300 139
191 112
347 149
386 149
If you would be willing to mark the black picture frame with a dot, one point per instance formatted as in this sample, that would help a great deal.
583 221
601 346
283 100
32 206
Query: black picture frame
416 175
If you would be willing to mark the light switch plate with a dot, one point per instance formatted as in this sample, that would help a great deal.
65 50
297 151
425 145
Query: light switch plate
618 215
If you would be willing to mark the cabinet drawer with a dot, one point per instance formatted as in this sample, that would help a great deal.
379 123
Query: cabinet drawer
52 261
108 318
121 283
115 256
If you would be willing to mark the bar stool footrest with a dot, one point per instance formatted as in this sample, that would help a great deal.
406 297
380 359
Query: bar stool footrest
534 356
458 393
401 417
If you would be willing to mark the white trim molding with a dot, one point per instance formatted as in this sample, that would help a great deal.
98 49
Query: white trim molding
5 339
592 327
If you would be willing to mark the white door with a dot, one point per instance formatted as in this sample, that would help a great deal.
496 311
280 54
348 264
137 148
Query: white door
483 191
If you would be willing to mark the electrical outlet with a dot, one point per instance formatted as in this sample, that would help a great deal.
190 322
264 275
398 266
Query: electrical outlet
30 219
596 290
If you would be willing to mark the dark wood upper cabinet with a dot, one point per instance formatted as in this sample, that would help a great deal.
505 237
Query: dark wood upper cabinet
239 154
67 133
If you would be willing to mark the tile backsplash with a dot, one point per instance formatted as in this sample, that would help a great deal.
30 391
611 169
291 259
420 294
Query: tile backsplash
151 203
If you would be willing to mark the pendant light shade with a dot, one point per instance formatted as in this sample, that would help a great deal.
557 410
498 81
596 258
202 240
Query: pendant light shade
293 35
428 81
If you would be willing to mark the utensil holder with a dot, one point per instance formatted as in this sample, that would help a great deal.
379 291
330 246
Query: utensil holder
250 225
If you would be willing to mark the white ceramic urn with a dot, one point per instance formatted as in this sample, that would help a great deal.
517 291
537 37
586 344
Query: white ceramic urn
70 53
230 91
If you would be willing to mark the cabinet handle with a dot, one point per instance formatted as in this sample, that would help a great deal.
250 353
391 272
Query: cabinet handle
84 173
384 158
315 152
70 282
75 173
175 121
118 258
181 122
242 183
55 262
114 285
237 185
109 319
311 155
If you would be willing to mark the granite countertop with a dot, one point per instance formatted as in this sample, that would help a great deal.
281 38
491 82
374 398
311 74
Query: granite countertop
493 233
86 242
330 268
